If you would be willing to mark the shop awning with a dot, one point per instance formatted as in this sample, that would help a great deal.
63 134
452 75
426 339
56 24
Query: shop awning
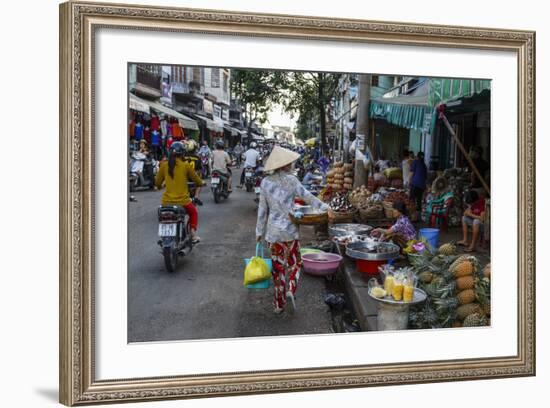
138 104
210 124
445 90
406 111
184 121
234 132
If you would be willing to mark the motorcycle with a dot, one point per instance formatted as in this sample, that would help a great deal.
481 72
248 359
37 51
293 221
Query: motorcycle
249 178
205 165
142 172
175 234
259 177
219 186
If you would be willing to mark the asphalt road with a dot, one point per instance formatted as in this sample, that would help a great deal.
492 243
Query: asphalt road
205 298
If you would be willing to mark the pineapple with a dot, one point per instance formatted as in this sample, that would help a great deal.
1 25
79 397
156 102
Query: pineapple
425 277
465 282
487 271
466 296
487 309
475 320
483 291
458 260
465 310
447 249
463 269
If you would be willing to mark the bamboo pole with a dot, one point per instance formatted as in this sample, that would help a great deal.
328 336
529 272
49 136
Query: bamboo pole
464 152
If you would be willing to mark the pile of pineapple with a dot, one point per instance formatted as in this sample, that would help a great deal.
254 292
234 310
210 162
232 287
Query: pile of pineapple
458 291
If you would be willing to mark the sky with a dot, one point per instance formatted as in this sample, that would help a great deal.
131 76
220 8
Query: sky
279 118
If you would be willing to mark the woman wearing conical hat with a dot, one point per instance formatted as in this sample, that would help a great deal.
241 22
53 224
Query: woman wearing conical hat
277 195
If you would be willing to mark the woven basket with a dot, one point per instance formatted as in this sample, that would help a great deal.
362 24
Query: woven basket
310 219
336 217
370 214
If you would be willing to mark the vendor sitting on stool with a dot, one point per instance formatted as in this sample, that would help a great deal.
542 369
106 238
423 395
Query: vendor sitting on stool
474 215
402 231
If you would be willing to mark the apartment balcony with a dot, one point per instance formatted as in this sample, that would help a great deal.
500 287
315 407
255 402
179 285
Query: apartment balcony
148 84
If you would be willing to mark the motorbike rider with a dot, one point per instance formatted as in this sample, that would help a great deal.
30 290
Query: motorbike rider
192 158
250 160
238 150
221 162
176 173
205 151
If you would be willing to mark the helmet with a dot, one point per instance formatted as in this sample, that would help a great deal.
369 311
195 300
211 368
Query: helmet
177 148
191 146
253 145
220 143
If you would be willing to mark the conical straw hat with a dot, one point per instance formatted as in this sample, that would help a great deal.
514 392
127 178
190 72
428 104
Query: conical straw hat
280 157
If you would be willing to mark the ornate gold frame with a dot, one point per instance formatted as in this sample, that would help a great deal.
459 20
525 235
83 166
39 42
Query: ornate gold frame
78 22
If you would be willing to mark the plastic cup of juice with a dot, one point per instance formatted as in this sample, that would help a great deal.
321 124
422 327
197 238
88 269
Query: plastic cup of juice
389 282
408 293
397 292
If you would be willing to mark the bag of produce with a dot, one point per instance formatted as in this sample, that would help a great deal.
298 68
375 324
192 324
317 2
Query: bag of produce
393 173
257 268
376 290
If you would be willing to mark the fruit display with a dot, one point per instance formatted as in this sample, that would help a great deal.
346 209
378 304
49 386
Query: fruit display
398 284
340 176
340 203
447 249
458 292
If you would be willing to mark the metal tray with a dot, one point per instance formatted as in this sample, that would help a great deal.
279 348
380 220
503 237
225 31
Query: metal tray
349 229
357 250
419 296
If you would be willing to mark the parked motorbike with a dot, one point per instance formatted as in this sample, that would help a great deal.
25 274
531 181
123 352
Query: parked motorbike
142 172
175 234
219 186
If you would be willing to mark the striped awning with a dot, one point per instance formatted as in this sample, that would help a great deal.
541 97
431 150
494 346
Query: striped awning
445 90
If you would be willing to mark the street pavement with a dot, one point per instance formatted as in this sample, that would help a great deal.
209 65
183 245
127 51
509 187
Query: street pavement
205 297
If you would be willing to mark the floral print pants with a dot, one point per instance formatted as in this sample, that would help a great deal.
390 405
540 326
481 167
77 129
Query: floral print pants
287 263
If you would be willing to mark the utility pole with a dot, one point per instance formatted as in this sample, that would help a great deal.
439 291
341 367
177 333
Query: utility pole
362 131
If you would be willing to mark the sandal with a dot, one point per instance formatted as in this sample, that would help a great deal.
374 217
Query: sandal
469 250
462 243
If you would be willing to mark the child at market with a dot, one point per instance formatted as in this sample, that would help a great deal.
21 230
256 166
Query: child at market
473 216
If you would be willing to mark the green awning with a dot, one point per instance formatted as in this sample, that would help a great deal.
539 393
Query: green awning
444 90
399 114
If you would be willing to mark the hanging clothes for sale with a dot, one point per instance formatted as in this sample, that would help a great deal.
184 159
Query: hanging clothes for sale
177 131
155 123
147 134
131 128
164 127
138 131
155 138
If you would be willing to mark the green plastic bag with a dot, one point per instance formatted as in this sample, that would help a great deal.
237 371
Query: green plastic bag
256 270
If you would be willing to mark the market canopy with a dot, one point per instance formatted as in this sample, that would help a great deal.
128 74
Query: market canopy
138 104
445 90
406 111
210 124
184 121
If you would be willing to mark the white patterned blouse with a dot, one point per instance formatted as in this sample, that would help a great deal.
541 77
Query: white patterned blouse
277 195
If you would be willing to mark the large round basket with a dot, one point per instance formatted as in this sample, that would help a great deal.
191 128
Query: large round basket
310 219
337 217
370 214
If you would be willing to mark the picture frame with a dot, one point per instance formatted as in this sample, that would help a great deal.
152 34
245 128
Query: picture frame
79 22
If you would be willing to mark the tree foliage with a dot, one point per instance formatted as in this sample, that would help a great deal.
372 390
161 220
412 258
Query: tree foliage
309 94
258 91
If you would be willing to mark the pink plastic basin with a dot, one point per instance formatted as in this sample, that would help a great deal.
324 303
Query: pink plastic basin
321 264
